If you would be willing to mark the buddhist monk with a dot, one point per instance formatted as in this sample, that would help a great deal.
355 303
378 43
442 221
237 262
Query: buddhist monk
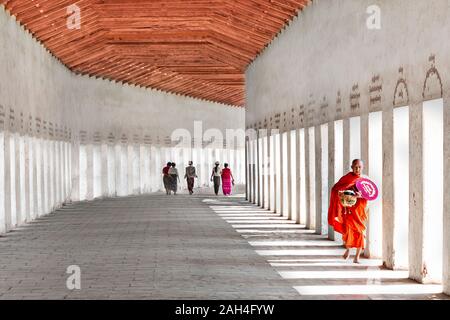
349 221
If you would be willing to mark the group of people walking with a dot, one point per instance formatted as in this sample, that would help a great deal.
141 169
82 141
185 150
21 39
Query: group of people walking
218 175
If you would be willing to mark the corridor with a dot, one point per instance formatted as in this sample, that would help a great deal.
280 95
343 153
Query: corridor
185 247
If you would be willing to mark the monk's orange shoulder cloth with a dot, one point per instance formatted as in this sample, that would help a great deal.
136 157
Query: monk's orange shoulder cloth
336 217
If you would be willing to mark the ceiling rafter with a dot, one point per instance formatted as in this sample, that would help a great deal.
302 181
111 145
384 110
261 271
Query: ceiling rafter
196 48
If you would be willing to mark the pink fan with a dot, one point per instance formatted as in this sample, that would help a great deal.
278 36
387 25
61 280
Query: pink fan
368 189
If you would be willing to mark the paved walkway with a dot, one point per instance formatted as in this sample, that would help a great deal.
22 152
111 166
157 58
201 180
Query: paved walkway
183 247
313 265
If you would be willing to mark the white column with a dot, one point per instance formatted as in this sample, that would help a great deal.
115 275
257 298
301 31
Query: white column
97 170
24 180
75 171
31 184
51 175
130 169
267 165
260 170
40 190
14 182
89 171
136 169
311 179
318 180
280 173
112 187
288 170
104 169
446 218
416 222
388 190
272 168
298 176
20 180
57 173
2 184
62 148
331 171
375 172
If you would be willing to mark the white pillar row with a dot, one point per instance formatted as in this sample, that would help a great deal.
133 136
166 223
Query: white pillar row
446 217
272 171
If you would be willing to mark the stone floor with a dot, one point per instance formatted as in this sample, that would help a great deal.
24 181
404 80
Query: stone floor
184 247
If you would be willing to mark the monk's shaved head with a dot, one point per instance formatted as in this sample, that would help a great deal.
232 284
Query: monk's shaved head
357 166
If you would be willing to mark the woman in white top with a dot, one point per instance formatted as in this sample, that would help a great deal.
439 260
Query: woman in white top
215 177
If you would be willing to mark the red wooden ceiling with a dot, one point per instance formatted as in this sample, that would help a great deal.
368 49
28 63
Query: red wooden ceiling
198 48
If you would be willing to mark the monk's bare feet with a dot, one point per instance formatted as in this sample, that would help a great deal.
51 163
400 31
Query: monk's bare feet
356 261
346 254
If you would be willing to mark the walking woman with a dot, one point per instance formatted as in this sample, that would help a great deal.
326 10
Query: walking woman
215 177
174 178
190 176
227 180
166 177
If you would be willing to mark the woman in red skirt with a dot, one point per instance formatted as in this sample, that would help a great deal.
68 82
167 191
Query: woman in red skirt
227 180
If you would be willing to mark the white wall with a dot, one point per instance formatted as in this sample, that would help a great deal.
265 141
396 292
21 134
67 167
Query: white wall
328 65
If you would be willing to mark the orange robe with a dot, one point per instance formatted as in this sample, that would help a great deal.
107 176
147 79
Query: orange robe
350 222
